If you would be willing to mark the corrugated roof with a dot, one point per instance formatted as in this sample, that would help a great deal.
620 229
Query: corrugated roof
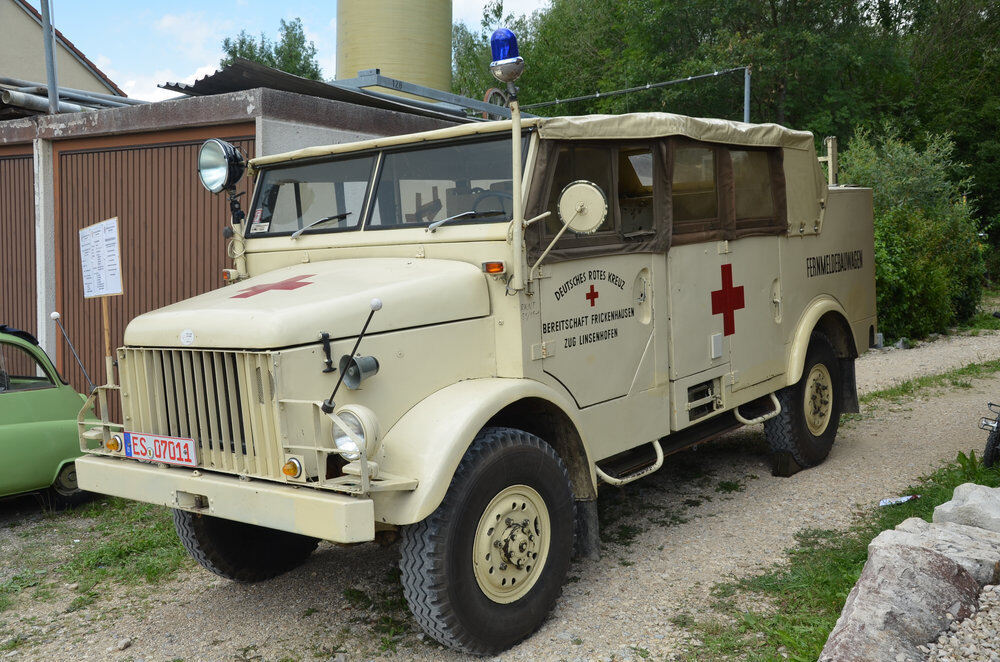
246 75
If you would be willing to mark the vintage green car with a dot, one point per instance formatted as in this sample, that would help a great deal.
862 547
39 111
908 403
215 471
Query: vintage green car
38 429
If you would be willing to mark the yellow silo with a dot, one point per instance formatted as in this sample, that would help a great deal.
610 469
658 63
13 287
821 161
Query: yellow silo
406 39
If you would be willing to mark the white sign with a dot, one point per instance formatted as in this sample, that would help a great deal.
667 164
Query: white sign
102 273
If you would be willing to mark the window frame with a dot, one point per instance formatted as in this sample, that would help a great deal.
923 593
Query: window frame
53 378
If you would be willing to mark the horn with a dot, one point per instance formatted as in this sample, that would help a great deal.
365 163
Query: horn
356 369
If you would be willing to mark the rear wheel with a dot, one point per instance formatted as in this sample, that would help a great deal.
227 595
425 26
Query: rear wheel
992 453
238 551
64 491
483 571
810 409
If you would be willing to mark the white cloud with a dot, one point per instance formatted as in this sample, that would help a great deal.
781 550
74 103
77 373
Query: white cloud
193 36
470 12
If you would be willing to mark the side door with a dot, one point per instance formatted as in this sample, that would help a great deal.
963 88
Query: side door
595 294
757 344
37 420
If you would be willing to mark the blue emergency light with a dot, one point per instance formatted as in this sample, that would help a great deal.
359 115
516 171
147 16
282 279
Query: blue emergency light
507 64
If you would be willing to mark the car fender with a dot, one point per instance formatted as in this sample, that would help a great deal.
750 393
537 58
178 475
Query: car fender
429 441
810 317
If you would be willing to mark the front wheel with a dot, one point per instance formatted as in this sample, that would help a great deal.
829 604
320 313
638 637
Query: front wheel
238 551
483 571
810 409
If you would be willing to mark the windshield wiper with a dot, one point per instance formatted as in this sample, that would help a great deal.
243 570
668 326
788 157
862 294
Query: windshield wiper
465 214
337 217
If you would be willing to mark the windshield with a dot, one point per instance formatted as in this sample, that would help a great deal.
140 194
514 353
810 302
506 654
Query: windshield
418 187
328 196
470 180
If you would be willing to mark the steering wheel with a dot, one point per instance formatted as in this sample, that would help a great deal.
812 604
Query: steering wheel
499 195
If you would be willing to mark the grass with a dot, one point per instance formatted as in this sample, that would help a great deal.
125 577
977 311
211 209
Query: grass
124 542
959 377
799 602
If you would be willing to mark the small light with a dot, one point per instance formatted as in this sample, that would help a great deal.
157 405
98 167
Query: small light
507 64
503 44
494 267
114 443
292 468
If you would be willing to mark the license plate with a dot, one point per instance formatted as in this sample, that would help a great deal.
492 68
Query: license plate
156 448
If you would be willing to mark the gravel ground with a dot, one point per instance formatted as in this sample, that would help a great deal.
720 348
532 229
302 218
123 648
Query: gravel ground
973 639
708 515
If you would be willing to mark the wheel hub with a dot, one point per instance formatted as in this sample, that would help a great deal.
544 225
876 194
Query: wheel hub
511 543
818 399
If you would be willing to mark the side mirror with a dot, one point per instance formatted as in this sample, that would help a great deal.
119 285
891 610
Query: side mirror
582 208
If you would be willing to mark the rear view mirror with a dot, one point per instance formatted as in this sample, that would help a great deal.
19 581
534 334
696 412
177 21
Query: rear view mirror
582 207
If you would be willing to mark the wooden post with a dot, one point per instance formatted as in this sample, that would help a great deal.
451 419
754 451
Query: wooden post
108 362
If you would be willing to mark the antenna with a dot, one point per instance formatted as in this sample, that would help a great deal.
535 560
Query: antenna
58 318
328 404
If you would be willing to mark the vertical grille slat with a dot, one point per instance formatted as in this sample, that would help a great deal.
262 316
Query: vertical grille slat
225 401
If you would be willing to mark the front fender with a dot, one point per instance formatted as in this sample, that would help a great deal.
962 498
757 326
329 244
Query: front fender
428 442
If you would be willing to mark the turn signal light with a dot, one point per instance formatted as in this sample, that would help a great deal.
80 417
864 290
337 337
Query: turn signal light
113 444
494 267
292 468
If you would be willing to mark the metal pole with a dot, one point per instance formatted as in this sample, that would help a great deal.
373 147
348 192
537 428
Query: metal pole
517 236
48 40
746 94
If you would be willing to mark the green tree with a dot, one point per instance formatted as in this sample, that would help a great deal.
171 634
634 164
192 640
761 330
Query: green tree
292 53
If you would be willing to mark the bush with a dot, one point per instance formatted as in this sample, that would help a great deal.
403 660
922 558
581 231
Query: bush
928 257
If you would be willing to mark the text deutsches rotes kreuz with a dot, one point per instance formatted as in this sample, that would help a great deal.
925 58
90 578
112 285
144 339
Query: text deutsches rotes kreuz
584 324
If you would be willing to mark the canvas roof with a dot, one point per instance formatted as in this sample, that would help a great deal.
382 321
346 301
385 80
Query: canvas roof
633 126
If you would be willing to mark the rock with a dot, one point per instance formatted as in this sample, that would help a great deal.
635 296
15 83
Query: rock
895 605
123 643
977 550
972 505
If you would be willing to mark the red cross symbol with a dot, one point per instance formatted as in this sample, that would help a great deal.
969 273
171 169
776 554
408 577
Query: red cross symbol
293 283
727 301
592 296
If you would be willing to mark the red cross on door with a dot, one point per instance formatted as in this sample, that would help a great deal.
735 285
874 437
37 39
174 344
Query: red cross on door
292 283
727 301
592 296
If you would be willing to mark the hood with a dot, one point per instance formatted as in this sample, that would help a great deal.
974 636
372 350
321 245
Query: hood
292 306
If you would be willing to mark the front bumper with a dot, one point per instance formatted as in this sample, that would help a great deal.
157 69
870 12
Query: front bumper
301 510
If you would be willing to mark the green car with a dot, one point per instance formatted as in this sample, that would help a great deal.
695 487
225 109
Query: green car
38 431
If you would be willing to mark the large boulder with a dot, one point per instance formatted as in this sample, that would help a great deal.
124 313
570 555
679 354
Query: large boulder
897 603
976 550
972 505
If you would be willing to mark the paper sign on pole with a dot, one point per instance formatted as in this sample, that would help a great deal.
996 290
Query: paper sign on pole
100 260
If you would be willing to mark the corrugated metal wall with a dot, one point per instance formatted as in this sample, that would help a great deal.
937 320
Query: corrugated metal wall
17 242
170 231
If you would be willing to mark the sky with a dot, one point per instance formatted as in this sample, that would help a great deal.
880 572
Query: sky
141 44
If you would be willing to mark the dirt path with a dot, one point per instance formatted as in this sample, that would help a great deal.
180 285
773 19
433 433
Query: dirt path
708 515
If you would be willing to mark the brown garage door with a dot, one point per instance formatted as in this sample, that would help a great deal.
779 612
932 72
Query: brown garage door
170 228
17 240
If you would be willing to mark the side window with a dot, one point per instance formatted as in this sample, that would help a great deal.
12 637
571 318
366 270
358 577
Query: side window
695 184
575 162
19 371
635 191
752 183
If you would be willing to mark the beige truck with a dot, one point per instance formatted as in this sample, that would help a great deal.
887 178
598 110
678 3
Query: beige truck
460 336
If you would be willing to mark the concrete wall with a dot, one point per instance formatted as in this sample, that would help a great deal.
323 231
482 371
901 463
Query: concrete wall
21 54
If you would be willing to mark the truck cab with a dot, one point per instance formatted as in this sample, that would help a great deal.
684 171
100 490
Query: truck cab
460 336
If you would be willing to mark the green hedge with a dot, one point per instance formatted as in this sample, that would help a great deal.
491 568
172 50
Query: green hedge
928 256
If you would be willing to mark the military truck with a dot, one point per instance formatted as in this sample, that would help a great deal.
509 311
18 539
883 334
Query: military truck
409 345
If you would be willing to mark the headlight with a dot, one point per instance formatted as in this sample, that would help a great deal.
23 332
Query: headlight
363 425
220 165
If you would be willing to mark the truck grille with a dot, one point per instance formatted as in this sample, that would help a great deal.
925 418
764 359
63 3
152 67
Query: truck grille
225 401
